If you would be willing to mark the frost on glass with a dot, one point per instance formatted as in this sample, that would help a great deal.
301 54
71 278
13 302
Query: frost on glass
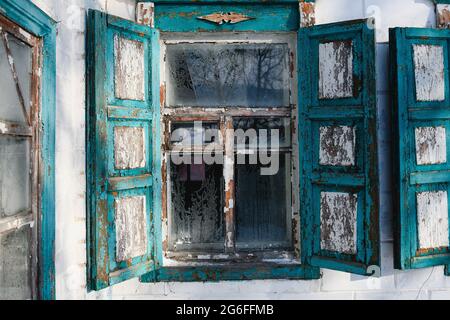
228 75
14 175
196 200
15 271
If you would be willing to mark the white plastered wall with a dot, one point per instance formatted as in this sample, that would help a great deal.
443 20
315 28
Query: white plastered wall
70 172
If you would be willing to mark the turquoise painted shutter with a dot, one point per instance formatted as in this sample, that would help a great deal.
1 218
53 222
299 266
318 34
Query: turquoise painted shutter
338 149
123 158
421 114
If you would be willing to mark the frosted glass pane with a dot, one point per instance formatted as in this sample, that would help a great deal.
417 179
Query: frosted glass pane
15 270
23 56
196 201
14 175
10 109
228 75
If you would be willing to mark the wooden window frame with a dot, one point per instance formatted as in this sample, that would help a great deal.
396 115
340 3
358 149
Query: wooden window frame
28 19
30 131
224 117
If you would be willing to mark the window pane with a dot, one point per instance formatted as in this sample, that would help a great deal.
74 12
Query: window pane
228 75
190 133
14 175
197 210
15 271
262 206
22 55
282 125
10 109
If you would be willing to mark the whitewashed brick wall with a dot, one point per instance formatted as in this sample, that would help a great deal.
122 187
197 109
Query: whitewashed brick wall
70 173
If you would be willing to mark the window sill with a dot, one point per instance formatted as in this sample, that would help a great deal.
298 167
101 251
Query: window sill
242 271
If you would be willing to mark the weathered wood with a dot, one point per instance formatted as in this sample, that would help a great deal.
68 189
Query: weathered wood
307 14
432 217
337 146
336 70
228 172
145 13
338 212
431 145
129 147
131 227
122 204
429 72
129 78
443 16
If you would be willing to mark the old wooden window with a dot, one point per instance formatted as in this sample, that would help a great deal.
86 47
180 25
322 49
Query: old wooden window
229 94
19 153
421 101
175 174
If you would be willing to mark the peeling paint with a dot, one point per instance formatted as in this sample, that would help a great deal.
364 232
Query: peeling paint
338 213
129 147
337 146
145 13
131 227
431 145
443 16
336 70
307 14
429 72
432 217
129 69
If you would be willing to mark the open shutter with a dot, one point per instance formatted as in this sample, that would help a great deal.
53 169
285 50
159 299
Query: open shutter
123 158
338 149
421 106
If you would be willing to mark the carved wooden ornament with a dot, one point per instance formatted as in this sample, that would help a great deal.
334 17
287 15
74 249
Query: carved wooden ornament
229 17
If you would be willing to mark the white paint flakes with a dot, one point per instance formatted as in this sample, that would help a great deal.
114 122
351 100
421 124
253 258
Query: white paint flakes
129 69
131 227
338 212
336 70
432 217
431 145
337 146
129 148
429 72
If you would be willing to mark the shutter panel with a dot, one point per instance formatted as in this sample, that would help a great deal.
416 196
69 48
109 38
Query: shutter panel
123 162
338 149
421 114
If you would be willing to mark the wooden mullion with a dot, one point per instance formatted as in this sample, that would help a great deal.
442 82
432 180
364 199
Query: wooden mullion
228 173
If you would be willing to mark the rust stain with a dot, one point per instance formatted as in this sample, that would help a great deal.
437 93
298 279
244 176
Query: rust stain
162 95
